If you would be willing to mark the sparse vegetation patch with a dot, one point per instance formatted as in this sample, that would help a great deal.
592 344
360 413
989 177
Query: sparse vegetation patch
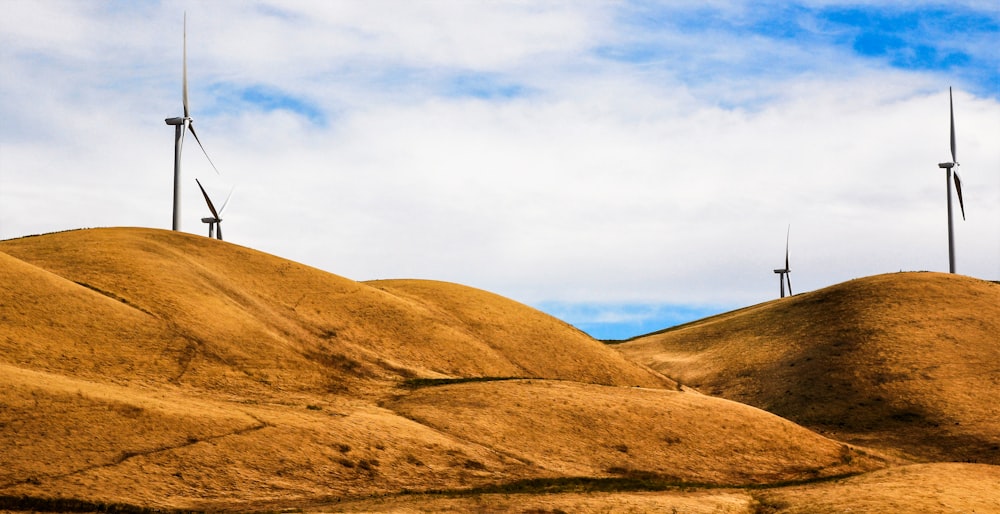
416 383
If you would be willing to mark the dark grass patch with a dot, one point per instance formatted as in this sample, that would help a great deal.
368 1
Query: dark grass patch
474 465
114 296
417 383
368 465
34 504
629 481
339 361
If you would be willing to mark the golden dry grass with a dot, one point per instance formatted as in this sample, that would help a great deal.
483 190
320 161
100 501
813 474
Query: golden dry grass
941 487
532 342
184 306
171 371
907 362
586 430
687 502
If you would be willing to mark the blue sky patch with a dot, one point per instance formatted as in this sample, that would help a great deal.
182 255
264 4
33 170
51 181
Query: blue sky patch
270 99
912 39
959 41
624 321
266 99
482 85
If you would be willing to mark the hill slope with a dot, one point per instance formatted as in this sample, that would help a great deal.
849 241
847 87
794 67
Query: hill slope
907 361
598 431
166 370
173 306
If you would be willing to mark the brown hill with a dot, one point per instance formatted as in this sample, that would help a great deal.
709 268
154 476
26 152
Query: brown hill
907 361
159 369
169 370
172 306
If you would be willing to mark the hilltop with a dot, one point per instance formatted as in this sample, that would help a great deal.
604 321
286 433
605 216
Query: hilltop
906 362
152 369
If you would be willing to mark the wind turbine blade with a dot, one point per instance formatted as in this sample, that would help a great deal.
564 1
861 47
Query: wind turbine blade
195 134
958 189
951 107
207 200
787 234
224 204
185 76
218 230
788 277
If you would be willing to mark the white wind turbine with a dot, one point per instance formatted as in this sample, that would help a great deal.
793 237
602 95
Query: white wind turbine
947 166
181 124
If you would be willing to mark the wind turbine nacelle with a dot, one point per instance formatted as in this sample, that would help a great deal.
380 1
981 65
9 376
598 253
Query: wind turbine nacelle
781 271
946 165
210 220
174 121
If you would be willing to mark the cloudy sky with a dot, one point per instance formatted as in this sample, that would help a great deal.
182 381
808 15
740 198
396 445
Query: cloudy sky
622 165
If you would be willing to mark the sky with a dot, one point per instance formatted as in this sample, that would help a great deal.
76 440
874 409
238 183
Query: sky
624 166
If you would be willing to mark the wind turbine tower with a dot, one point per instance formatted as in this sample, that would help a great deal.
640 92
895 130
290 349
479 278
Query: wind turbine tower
949 173
182 124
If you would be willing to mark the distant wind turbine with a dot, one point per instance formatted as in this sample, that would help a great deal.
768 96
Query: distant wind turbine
181 124
947 166
216 218
783 274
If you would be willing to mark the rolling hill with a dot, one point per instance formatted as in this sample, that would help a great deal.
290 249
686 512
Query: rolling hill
173 307
151 369
905 362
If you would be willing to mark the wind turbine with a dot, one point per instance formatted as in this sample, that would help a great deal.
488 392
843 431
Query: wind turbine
784 272
181 124
947 166
216 218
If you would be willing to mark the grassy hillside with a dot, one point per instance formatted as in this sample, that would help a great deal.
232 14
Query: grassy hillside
598 431
906 361
152 369
173 306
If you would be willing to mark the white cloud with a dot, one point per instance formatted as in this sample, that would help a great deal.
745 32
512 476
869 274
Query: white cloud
669 180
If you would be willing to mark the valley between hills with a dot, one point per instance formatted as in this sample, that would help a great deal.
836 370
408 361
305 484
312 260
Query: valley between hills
145 370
